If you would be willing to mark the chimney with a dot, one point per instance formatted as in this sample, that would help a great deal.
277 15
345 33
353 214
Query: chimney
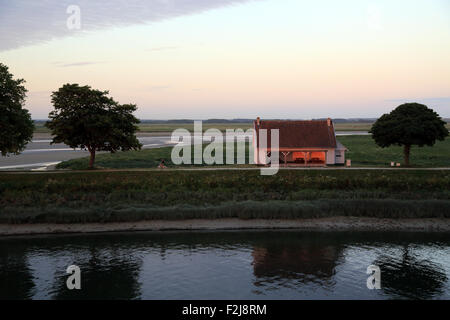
258 121
329 122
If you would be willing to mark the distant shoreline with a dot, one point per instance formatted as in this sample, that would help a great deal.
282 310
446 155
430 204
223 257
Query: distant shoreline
47 135
319 224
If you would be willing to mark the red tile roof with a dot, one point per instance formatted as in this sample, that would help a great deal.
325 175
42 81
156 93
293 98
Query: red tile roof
300 134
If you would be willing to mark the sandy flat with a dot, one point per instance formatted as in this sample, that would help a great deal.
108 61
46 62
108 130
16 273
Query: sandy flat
324 224
48 135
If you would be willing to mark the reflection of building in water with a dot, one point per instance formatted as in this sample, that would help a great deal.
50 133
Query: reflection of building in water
311 262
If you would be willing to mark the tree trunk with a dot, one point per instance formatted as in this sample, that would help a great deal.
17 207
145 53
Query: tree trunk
92 159
406 151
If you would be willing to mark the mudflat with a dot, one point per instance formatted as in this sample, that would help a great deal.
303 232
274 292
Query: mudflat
319 224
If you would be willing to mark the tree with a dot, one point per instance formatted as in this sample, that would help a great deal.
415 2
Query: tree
16 126
88 119
409 124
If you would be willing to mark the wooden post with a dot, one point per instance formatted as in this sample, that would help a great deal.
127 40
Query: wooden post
285 154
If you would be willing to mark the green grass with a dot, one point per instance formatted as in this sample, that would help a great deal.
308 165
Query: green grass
147 158
131 196
360 126
38 128
362 151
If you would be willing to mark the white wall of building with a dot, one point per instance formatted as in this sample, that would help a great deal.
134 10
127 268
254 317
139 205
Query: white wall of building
331 156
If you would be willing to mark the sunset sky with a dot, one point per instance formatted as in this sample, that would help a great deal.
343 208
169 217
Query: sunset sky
235 59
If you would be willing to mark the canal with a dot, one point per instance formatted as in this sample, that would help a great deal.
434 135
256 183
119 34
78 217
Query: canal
227 265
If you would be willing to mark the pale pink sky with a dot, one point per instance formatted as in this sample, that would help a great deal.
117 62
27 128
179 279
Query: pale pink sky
236 59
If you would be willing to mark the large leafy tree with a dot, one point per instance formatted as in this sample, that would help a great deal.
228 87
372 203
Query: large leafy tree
87 118
409 124
16 126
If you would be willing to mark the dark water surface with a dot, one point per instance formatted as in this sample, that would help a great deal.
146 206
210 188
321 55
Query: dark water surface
227 265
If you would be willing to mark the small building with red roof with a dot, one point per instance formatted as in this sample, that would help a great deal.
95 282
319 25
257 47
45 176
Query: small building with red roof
305 142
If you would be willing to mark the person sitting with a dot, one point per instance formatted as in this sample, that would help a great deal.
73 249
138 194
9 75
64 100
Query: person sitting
162 165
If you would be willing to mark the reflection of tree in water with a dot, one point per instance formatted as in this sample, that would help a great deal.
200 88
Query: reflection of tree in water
305 261
16 280
408 277
105 274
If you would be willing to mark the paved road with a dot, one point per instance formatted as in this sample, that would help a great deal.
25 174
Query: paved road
40 154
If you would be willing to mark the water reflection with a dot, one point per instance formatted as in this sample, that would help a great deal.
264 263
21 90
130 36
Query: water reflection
110 273
301 260
16 281
227 265
406 276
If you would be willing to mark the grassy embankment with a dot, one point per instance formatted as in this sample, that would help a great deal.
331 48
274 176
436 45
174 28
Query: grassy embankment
77 197
362 151
132 196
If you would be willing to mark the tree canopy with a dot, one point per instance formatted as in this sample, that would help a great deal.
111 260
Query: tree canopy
87 118
409 124
16 125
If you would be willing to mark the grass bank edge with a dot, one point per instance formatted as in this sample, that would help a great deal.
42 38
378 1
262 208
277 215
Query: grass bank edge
289 210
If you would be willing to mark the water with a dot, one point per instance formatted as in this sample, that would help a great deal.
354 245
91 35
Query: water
227 265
